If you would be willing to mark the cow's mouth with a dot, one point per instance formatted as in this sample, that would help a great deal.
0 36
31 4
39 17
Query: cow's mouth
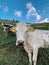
21 44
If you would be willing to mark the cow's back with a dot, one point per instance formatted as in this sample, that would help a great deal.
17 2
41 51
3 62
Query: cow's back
38 38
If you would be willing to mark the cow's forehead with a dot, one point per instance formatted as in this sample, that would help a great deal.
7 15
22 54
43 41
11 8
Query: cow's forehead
21 26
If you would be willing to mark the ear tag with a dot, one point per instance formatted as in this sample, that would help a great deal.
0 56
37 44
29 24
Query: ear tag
31 30
13 30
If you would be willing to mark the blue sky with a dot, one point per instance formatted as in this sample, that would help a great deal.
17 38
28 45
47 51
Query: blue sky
25 10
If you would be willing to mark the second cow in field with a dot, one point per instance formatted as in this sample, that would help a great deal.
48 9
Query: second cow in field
7 26
32 39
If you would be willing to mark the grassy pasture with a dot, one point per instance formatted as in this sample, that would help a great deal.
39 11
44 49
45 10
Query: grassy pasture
12 55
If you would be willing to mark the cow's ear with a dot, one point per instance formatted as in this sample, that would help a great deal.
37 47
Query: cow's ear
13 29
31 29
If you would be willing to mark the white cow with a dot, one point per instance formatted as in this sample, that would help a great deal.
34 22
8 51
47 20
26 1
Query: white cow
31 39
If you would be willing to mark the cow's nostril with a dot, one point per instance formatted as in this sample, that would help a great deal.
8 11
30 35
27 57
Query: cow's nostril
20 42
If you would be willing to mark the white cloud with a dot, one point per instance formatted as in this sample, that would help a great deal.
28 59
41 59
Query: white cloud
0 5
18 13
38 16
45 20
29 5
5 8
32 11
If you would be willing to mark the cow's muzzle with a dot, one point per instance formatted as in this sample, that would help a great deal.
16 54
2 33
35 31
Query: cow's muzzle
20 42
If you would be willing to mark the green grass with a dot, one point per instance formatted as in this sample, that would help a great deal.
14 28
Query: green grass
12 55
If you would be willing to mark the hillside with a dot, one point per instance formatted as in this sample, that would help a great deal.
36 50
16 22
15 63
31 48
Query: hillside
44 26
12 55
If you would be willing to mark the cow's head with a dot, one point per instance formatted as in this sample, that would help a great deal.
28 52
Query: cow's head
21 30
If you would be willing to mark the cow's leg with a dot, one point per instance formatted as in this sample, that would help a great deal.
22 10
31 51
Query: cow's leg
30 60
29 51
35 53
4 28
16 43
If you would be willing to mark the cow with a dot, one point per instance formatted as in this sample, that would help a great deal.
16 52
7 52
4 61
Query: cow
7 26
32 39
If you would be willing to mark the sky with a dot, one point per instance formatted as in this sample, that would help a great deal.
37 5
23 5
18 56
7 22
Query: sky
30 11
